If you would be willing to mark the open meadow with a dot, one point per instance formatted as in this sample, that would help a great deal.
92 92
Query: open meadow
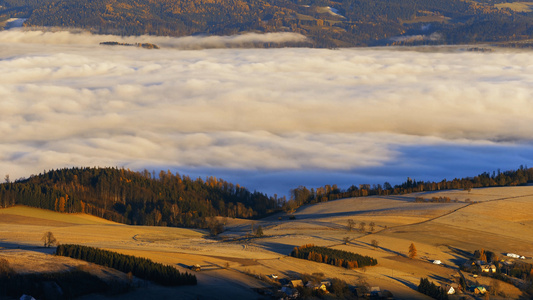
494 219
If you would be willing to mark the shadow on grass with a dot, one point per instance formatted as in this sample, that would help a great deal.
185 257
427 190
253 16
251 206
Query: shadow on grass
18 246
405 282
283 249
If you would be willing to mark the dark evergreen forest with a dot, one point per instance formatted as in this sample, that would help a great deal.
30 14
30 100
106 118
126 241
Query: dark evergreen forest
140 267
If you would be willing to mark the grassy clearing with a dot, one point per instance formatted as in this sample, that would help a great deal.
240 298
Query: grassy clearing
517 6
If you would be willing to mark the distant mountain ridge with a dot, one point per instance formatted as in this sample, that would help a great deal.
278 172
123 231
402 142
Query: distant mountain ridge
328 23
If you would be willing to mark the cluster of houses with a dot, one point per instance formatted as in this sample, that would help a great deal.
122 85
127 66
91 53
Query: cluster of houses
483 266
290 287
452 289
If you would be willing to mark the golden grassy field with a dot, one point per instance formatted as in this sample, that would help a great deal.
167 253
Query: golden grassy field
517 6
495 219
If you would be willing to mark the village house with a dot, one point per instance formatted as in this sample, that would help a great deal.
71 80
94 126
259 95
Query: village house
317 286
480 290
490 268
451 289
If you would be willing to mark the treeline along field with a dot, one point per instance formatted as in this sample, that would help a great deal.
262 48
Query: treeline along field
139 267
302 195
334 257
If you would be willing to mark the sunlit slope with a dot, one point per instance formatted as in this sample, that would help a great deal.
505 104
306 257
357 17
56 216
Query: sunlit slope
25 226
497 219
35 216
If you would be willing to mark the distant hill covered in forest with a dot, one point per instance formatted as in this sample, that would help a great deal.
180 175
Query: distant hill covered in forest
140 198
328 23
166 199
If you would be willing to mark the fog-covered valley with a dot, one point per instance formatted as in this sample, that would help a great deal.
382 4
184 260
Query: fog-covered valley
267 119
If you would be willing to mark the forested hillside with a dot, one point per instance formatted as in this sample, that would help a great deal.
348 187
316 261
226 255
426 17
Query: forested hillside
137 197
329 23
167 199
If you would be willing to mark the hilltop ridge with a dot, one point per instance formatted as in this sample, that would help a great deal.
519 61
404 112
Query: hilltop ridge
328 23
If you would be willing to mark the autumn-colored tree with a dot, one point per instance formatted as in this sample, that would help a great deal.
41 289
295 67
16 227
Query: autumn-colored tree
495 259
374 243
62 202
482 255
372 225
412 251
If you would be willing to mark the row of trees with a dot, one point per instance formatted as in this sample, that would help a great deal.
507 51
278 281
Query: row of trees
334 257
362 226
140 267
302 195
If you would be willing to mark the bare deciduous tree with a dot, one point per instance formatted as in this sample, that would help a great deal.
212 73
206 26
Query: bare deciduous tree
259 231
362 227
49 239
351 224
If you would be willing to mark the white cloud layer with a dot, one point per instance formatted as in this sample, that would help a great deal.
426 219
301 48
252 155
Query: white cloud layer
348 114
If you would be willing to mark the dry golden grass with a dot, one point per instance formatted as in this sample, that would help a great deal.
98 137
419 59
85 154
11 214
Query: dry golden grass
500 222
517 6
50 216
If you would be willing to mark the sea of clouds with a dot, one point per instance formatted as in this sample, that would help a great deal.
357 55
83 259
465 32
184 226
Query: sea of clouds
268 119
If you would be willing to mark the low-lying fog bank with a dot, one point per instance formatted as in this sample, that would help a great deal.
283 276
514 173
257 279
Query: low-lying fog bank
268 119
